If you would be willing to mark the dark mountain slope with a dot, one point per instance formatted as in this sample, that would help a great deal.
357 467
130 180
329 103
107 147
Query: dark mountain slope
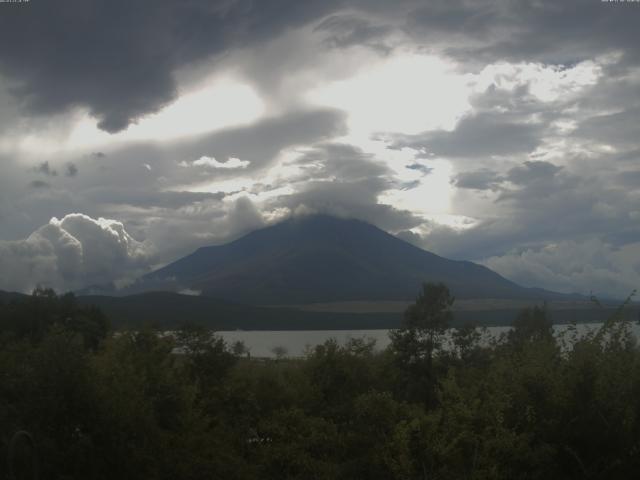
326 259
6 297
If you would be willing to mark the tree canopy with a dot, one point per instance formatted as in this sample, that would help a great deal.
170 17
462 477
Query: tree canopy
437 403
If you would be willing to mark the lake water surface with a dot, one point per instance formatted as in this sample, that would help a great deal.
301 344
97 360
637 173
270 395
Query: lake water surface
296 342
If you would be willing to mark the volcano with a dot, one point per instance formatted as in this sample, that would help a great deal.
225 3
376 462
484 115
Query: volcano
321 258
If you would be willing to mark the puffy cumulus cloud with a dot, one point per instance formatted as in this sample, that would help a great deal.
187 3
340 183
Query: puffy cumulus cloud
73 252
574 266
515 114
244 217
179 232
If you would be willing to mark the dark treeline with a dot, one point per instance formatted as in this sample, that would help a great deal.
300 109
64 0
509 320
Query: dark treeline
139 405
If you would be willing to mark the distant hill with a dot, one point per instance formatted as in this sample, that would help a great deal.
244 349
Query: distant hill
170 310
326 259
167 310
6 297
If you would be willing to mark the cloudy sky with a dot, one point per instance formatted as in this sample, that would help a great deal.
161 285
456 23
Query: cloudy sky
504 132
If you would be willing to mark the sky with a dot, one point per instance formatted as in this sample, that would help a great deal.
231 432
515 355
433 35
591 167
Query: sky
498 131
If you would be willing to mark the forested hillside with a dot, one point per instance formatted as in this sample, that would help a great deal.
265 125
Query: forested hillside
138 404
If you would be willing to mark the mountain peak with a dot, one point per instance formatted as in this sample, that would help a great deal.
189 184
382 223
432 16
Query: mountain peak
322 258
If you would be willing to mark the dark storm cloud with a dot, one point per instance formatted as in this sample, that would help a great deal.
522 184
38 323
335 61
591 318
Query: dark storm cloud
478 135
347 30
425 170
544 205
618 129
525 177
117 58
537 171
629 179
556 32
46 169
483 179
39 184
631 156
71 170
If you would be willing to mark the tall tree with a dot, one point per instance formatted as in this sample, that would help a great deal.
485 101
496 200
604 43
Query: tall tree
421 336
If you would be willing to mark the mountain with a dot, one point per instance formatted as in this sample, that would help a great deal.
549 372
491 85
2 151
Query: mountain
325 259
6 297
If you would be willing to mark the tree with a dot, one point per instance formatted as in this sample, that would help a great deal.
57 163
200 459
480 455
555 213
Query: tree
531 325
466 340
206 357
422 334
280 352
240 349
34 317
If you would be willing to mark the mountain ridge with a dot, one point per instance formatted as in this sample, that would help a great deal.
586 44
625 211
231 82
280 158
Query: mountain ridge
320 258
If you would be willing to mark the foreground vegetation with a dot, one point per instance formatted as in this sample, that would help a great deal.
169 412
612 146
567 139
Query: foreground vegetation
100 405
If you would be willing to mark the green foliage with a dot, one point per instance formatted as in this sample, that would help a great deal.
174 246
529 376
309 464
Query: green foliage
532 325
420 339
435 404
35 317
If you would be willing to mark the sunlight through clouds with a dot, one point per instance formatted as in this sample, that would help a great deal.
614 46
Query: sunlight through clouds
472 133
431 196
223 103
408 94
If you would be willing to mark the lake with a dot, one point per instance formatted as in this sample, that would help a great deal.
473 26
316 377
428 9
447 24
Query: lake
295 342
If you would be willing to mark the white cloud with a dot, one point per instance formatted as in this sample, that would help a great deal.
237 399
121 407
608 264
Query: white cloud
72 252
191 293
547 83
570 266
211 162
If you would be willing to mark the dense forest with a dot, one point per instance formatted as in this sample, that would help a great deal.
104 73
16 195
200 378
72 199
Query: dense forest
92 403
